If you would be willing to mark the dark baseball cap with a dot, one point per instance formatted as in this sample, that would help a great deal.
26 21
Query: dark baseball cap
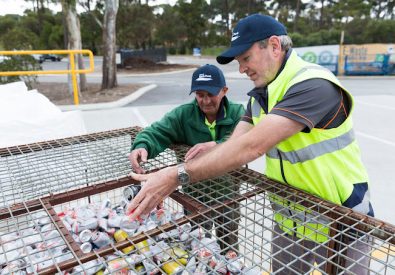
208 78
249 30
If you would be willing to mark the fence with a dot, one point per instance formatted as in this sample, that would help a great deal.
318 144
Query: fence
45 187
378 64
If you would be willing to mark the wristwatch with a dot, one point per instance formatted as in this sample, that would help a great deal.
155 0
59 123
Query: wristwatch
182 175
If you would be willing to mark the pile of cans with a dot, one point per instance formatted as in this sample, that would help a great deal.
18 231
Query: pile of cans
186 249
33 248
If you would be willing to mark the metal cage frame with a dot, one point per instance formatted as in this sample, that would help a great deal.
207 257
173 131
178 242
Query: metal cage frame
252 195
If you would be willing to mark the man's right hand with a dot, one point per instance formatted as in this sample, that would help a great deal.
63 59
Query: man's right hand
137 156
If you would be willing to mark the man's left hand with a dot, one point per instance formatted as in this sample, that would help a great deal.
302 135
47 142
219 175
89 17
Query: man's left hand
157 186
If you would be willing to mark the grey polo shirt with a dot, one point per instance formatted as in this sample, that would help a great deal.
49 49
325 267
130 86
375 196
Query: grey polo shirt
316 103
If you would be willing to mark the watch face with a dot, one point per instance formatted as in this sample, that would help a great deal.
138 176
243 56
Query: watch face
183 178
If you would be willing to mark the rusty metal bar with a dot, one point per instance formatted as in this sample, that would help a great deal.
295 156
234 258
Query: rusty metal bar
62 229
57 143
19 209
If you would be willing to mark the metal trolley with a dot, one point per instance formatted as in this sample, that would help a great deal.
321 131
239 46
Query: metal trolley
39 181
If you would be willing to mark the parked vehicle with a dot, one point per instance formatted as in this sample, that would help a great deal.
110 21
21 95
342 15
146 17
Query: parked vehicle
51 57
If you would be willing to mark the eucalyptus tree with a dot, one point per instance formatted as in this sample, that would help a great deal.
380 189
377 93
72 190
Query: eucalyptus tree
74 35
137 23
105 15
168 30
383 9
109 69
193 16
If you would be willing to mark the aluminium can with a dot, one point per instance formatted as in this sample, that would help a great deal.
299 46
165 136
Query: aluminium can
121 235
100 239
86 247
130 192
172 268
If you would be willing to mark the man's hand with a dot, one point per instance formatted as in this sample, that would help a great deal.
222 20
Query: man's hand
198 149
157 186
135 157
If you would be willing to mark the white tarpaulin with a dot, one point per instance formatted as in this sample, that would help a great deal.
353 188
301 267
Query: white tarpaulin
28 116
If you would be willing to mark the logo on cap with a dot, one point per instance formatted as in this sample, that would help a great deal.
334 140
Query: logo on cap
204 77
235 35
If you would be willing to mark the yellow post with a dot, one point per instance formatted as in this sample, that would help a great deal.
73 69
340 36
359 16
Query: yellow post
74 79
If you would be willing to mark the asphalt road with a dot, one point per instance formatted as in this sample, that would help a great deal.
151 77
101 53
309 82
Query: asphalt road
373 117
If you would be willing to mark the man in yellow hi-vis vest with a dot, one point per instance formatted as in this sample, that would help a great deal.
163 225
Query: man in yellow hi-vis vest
299 116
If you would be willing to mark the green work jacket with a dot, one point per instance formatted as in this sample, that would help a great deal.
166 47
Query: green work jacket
186 125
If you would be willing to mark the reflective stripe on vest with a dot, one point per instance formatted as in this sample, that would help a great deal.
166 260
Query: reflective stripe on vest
256 109
314 150
308 68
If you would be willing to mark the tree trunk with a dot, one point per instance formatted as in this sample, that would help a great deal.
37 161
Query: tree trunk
322 14
227 18
74 37
297 12
109 45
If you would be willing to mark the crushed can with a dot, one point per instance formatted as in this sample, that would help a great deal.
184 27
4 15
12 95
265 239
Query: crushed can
143 247
235 266
85 236
80 225
120 236
86 247
172 268
180 254
100 239
127 223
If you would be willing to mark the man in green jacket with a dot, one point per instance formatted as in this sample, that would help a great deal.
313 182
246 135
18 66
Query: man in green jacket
202 123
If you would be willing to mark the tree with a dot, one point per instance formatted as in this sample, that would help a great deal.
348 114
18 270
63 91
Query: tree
91 32
109 45
168 31
383 9
19 39
138 24
74 35
193 17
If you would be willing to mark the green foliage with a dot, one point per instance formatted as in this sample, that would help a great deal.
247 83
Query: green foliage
193 17
8 22
19 63
169 31
379 31
137 23
213 51
19 39
91 32
298 39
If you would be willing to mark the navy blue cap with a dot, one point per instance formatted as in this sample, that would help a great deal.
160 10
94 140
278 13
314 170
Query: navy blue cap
208 78
249 30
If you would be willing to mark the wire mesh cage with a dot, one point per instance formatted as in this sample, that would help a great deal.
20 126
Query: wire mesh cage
62 211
